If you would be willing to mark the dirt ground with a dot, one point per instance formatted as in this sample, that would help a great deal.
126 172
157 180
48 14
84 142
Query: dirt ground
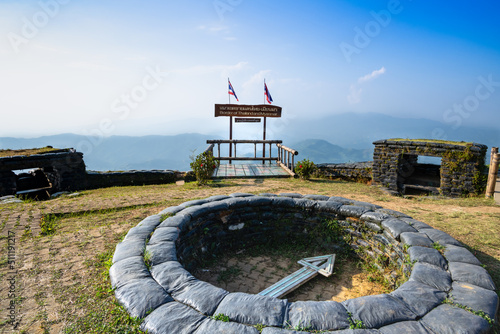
49 282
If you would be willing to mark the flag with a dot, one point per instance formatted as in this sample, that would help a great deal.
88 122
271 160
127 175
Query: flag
266 93
231 90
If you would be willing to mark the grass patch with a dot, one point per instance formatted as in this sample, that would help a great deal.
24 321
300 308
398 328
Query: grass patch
101 311
28 152
86 303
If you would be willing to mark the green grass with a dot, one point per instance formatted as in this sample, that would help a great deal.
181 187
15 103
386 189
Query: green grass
101 313
88 304
461 143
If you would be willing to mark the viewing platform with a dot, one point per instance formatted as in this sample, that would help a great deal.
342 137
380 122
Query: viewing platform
249 171
263 166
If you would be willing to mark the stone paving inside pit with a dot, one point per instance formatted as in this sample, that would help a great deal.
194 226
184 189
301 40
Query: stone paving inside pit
253 274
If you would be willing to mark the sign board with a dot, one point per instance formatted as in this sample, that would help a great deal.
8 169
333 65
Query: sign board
244 110
247 120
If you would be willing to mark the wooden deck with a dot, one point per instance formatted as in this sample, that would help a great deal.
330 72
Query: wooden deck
249 171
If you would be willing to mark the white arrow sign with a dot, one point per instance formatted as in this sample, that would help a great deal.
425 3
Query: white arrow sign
312 266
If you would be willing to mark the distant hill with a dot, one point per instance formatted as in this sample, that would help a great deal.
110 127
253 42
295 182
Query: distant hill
321 151
359 131
341 138
123 152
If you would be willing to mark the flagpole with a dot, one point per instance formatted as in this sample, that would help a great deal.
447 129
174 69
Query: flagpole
264 131
230 124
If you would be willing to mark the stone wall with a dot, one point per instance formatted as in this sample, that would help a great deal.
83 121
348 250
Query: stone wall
352 171
65 169
97 180
151 282
461 172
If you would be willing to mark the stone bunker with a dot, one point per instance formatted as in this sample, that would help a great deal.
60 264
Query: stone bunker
396 166
150 271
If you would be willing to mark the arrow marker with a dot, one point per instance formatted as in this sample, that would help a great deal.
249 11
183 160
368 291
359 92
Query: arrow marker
312 266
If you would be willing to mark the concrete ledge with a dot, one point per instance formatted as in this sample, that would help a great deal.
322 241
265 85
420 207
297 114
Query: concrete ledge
171 300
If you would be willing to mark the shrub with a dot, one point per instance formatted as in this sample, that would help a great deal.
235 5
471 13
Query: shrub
305 168
203 166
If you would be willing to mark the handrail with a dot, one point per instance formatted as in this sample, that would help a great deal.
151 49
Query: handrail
232 156
243 141
285 158
210 149
288 149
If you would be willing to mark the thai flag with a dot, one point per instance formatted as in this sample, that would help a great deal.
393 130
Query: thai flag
231 90
266 93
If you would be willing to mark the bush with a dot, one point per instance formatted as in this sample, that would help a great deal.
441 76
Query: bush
203 166
305 168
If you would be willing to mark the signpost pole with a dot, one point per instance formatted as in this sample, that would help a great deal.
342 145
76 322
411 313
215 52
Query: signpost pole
230 128
264 145
230 137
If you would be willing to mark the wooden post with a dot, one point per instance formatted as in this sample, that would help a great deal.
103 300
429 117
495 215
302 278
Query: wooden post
492 175
264 144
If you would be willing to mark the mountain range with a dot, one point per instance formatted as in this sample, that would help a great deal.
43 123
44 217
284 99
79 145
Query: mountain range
332 139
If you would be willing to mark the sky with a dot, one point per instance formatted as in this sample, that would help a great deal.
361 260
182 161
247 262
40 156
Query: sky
135 68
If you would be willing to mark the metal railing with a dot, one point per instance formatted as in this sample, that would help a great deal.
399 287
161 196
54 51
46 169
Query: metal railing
285 156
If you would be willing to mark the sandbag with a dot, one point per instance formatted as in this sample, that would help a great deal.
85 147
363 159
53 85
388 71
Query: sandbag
141 296
172 318
253 309
431 275
171 275
219 327
129 269
416 224
446 319
163 252
151 221
416 239
475 297
129 248
396 227
379 310
460 254
413 327
202 296
441 237
324 315
352 210
420 298
469 273
427 255
163 234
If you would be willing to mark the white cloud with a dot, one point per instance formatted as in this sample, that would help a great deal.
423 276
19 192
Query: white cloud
372 75
355 92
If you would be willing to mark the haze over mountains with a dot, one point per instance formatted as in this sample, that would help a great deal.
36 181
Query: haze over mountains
337 138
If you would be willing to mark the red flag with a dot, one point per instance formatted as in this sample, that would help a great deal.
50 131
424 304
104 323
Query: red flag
267 94
231 90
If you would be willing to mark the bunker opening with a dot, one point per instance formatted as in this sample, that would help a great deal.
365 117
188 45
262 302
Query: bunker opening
419 175
34 183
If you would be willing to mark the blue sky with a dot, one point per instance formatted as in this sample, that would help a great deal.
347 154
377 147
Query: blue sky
158 67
